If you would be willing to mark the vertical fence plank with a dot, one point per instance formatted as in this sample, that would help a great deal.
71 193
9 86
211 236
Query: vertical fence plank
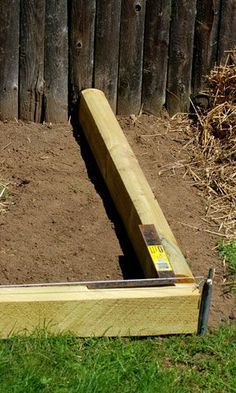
227 33
131 56
107 48
9 58
82 26
56 61
31 59
180 55
156 54
206 40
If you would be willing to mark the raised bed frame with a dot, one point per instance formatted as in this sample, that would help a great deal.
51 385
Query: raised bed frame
148 307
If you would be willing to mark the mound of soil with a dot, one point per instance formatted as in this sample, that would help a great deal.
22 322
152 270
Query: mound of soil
60 224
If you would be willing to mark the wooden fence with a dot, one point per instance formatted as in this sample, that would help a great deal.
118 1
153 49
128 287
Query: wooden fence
153 52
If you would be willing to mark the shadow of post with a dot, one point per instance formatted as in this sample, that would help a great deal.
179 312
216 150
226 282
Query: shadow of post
128 261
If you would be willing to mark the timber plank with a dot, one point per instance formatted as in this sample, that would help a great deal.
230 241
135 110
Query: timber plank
113 312
126 182
56 61
206 40
180 55
9 58
107 48
227 33
156 47
131 56
31 59
82 28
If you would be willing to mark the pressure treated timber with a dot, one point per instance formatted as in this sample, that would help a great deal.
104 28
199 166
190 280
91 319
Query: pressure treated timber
113 312
126 182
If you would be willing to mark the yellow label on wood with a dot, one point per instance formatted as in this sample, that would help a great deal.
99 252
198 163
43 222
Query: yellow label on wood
159 258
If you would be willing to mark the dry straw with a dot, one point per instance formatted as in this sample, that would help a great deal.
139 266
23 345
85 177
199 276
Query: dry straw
214 147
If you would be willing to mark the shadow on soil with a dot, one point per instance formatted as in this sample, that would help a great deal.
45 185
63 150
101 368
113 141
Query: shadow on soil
128 262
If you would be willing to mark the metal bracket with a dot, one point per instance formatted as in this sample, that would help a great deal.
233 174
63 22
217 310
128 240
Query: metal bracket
205 303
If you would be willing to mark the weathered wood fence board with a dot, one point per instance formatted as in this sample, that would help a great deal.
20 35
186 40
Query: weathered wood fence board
9 58
227 37
149 52
31 59
107 48
131 56
82 28
180 55
206 39
156 54
56 61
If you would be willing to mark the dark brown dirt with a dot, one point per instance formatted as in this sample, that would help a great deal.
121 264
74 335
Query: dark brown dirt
60 223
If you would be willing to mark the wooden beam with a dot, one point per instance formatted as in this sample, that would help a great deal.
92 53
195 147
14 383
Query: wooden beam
9 58
126 182
113 312
31 60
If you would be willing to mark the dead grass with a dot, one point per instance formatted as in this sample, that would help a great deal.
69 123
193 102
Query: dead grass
4 196
213 146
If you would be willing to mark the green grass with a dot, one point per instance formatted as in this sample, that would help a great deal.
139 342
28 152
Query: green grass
228 252
64 364
176 364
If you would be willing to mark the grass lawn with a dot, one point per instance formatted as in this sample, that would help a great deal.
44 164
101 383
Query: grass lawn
177 364
62 364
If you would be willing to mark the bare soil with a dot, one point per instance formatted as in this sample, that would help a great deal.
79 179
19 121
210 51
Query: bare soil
60 223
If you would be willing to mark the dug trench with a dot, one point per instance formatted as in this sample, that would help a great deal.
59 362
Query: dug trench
58 222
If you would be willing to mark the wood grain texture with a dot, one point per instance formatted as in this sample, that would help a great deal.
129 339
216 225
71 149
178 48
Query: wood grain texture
131 56
9 58
113 312
206 40
227 33
156 55
180 55
82 27
31 59
107 48
126 182
56 61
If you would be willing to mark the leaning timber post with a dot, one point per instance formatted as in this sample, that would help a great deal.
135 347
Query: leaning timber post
127 184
